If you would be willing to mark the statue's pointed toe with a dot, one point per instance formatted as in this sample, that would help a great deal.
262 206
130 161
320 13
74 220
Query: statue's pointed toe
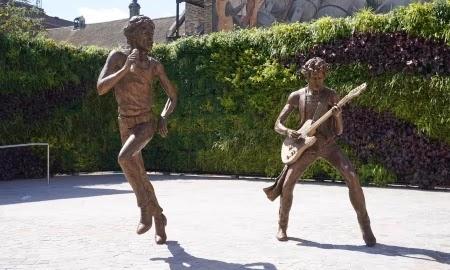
146 221
160 229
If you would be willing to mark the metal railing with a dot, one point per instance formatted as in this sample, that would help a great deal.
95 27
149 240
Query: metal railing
34 144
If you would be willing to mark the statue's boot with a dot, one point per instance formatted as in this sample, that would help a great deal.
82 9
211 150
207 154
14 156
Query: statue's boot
160 232
282 226
146 221
367 233
283 220
281 235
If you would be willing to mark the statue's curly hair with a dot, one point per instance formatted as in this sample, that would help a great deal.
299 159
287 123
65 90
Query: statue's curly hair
313 65
134 23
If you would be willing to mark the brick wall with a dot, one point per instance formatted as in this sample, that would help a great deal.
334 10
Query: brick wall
198 19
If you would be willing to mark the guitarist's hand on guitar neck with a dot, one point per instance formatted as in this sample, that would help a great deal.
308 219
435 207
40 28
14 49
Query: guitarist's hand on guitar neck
336 110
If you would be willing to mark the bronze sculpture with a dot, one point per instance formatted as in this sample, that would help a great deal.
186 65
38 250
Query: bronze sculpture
131 72
312 102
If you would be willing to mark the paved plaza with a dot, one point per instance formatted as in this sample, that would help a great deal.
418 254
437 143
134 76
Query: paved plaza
216 222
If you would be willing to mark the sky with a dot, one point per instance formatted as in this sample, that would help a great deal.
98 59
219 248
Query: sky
95 11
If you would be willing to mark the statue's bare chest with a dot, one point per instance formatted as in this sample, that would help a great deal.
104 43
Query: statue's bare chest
139 77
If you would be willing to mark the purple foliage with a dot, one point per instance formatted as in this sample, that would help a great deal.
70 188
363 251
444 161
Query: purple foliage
398 146
385 52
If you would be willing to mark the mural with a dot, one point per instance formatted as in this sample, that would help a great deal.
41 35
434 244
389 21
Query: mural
228 14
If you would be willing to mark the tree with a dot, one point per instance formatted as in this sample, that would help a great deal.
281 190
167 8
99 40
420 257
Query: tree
20 19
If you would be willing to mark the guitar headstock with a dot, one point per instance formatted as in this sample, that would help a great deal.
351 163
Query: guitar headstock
354 93
357 91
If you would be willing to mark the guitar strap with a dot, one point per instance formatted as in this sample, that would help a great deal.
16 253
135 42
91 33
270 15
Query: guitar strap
319 108
302 105
315 116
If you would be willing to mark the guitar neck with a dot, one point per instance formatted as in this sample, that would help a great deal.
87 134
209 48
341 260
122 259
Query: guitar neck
327 115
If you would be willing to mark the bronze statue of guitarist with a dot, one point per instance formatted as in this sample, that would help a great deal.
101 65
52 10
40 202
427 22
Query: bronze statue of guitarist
312 102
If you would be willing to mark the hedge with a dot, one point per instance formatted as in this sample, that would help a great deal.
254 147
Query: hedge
232 87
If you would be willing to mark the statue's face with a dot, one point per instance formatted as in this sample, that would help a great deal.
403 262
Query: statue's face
144 37
316 79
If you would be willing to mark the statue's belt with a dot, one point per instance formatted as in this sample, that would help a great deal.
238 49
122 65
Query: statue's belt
131 121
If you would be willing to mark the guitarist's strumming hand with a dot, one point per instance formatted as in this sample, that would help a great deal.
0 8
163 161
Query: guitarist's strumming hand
293 134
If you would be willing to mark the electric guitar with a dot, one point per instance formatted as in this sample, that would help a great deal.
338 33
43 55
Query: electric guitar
293 148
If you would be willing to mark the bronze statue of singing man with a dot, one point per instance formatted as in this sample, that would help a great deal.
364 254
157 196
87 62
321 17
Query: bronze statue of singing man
312 102
130 73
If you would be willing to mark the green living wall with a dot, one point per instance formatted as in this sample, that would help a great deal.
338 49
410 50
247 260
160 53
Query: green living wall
232 87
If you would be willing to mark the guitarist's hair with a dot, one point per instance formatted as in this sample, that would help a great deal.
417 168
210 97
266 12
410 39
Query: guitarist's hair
313 65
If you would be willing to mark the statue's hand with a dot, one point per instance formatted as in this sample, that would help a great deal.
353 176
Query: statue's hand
293 134
162 126
336 110
132 59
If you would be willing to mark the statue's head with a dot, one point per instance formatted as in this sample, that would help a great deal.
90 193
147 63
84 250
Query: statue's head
139 32
315 70
314 65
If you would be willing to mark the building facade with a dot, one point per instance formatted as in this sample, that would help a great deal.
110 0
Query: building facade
205 16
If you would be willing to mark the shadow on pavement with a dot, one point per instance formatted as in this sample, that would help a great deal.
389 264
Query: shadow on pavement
62 187
182 260
382 249
79 186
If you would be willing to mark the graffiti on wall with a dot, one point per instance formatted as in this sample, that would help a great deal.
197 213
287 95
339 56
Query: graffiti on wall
229 14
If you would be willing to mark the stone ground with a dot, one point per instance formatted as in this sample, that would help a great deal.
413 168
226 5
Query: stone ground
88 222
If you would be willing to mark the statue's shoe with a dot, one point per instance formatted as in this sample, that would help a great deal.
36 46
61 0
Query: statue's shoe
281 235
368 237
160 232
366 231
146 221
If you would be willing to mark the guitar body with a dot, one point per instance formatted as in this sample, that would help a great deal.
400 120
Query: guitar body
292 149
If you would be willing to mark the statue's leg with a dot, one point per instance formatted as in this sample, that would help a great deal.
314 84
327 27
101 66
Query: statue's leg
153 206
293 173
340 161
132 164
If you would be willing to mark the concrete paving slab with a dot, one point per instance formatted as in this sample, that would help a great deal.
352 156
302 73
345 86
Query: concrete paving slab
88 222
